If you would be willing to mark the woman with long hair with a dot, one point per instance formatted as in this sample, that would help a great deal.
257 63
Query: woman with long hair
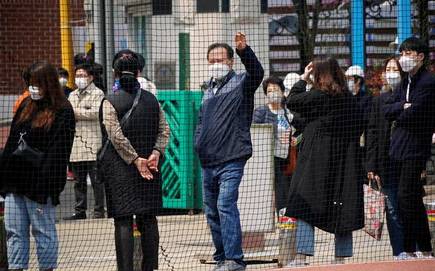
129 164
380 167
34 166
325 191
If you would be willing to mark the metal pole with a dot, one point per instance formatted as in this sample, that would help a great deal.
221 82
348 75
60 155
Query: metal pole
404 18
357 14
66 40
184 61
102 41
109 36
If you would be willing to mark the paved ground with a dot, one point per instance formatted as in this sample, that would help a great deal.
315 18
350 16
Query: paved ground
185 239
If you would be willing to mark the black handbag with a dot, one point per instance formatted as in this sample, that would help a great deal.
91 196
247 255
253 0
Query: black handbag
27 153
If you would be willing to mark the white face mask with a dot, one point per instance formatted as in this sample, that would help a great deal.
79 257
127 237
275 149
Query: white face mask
274 97
351 86
218 70
63 82
393 79
407 63
34 93
81 82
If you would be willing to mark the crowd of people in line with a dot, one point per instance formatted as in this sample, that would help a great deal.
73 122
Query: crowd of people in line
387 138
341 134
117 139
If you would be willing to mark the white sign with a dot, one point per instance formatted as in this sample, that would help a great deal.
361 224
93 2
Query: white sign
256 193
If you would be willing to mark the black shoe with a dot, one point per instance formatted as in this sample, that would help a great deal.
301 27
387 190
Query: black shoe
76 216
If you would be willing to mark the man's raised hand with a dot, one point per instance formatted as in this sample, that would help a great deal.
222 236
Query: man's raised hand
240 40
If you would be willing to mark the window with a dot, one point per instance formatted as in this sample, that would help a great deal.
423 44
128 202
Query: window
263 6
162 7
207 6
140 27
225 6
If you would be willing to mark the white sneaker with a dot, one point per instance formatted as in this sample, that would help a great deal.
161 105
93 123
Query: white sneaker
424 255
402 256
299 261
296 263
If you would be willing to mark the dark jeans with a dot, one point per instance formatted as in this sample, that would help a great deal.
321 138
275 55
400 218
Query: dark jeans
220 195
282 184
390 187
81 170
149 239
412 211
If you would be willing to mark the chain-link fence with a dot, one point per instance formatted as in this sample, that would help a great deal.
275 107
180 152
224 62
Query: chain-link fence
222 151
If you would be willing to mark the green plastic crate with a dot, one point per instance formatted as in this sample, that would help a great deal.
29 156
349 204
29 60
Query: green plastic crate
181 170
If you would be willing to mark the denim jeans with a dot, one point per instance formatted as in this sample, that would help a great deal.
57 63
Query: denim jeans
20 213
305 241
220 194
390 188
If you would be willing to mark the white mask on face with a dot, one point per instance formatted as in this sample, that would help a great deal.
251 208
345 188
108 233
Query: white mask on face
351 86
407 63
34 93
393 79
63 82
218 70
274 97
81 83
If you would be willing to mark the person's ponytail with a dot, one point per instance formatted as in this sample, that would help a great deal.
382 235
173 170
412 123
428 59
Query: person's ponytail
126 69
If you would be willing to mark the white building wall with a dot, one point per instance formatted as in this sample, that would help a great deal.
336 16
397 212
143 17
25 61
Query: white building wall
207 28
204 29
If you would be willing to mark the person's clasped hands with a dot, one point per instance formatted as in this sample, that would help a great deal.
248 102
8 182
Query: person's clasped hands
142 166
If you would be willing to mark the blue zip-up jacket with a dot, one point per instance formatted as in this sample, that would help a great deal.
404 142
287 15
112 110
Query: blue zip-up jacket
223 130
413 127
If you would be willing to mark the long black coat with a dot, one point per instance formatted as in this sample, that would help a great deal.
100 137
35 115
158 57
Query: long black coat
127 192
325 190
378 138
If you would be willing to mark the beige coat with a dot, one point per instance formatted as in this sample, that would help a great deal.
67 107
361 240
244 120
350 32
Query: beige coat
87 141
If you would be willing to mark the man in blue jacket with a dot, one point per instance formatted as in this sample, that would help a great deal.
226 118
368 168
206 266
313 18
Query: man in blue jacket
412 110
223 144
